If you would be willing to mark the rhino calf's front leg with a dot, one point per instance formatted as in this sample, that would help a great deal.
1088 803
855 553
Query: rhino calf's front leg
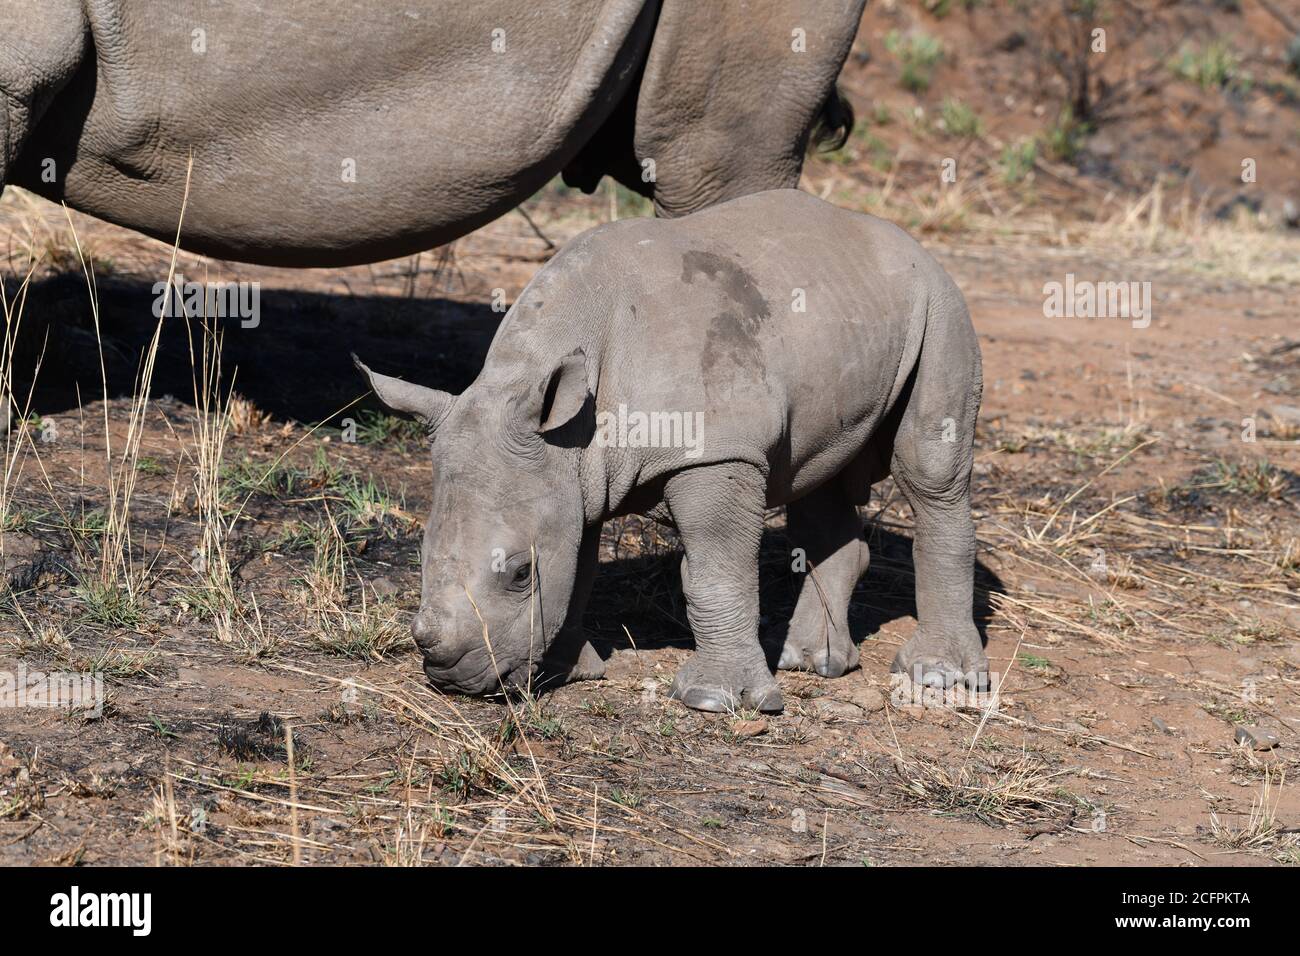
571 657
718 511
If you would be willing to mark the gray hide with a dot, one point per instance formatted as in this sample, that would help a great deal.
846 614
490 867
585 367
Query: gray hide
332 132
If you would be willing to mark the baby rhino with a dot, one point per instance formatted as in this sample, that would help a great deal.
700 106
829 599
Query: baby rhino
772 350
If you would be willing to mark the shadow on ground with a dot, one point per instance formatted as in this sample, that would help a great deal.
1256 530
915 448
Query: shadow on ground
294 364
643 594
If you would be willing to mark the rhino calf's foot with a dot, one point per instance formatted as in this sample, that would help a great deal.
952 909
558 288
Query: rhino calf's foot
831 654
718 510
588 666
826 529
570 659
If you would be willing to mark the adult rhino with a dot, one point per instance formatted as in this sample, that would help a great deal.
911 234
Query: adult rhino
333 132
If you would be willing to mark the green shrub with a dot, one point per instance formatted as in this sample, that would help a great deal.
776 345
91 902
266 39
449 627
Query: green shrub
960 120
1065 136
1211 67
919 54
1017 160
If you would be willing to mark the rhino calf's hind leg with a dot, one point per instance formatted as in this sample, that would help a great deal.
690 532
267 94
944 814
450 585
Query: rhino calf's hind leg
826 526
931 463
718 511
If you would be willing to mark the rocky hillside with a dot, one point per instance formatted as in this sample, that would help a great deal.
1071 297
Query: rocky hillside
1068 102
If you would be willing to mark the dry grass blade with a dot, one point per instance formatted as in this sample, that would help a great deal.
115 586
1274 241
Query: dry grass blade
1008 792
1261 832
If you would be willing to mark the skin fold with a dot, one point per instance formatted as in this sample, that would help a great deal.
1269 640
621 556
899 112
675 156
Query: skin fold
330 132
816 351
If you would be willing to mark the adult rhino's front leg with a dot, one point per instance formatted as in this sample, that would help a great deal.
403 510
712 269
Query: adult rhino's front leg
718 510
42 44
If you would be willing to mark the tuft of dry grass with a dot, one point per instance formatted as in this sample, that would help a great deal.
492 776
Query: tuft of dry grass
16 418
115 591
211 425
173 843
244 417
1006 791
1261 832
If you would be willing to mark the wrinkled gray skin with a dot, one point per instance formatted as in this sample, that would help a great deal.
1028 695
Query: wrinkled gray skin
103 101
880 375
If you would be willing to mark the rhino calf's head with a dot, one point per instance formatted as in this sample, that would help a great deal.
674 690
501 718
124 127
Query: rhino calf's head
500 550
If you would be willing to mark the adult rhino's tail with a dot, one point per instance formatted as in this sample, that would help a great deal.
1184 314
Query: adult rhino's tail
834 123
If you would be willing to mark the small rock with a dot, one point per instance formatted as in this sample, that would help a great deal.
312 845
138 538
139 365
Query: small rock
384 587
1257 737
749 728
828 709
1288 414
19 549
869 699
941 716
1160 725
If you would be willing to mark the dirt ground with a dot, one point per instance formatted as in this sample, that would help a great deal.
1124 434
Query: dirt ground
1138 514
1138 567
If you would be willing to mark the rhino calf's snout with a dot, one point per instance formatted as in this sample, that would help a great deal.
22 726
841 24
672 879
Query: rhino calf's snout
433 640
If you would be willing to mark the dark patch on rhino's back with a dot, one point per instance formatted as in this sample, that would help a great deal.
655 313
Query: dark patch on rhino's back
730 347
738 284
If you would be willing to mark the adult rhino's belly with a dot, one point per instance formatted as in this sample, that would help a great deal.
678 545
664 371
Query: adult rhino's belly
325 190
302 207
325 135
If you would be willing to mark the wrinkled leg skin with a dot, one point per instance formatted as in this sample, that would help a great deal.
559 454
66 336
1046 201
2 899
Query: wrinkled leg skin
718 511
42 44
931 463
572 658
826 526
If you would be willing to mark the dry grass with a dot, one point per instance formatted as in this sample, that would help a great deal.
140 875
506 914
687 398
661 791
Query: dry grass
15 413
1144 235
1002 792
461 782
244 417
114 593
211 562
1261 831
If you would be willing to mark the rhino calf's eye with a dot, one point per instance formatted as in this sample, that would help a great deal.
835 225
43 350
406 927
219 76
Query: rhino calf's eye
523 574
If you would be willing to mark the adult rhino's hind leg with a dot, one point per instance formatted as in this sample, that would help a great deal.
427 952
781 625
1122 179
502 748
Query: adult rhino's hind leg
718 510
826 529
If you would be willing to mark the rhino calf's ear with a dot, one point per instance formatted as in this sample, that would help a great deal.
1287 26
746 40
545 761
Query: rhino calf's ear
426 404
562 395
